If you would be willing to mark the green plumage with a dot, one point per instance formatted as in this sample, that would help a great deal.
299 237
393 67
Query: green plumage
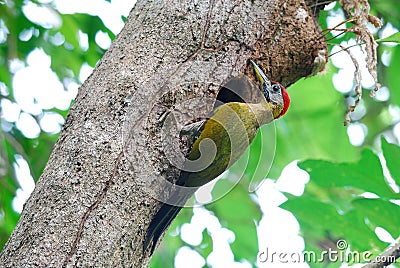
233 125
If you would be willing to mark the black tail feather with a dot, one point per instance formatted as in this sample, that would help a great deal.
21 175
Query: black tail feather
161 221
166 214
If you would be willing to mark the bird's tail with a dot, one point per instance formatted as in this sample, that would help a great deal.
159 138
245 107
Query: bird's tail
159 224
163 218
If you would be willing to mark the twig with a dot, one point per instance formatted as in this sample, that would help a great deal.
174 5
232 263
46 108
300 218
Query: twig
317 3
358 89
343 32
389 256
335 28
346 48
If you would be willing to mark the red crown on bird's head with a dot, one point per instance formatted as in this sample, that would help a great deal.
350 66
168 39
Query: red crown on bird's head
286 100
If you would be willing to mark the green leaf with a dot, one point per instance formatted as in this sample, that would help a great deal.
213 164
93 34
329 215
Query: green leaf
238 212
391 152
331 206
322 224
8 217
69 29
366 175
312 213
380 213
394 38
393 77
206 246
357 233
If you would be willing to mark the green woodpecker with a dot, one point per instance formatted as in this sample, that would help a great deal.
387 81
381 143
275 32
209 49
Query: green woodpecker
231 127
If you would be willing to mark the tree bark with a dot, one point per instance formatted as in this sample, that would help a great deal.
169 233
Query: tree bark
94 201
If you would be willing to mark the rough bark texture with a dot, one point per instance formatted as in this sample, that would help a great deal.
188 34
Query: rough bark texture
92 204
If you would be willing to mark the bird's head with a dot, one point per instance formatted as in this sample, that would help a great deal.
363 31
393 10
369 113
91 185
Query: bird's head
274 93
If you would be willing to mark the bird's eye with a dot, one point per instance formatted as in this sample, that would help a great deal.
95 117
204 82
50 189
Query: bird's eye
276 88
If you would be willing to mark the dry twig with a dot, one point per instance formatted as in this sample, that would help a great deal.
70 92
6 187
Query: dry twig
357 11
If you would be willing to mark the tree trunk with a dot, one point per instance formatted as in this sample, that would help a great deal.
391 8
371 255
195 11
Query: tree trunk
93 203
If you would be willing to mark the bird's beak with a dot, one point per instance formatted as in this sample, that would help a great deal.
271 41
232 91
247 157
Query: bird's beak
264 81
260 75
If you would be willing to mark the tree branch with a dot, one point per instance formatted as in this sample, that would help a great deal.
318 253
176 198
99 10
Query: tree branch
389 256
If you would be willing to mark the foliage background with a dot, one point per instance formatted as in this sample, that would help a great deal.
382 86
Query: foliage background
353 188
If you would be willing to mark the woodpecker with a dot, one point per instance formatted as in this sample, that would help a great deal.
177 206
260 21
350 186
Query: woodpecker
231 127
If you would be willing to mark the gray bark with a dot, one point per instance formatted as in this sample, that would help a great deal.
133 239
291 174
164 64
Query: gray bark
93 203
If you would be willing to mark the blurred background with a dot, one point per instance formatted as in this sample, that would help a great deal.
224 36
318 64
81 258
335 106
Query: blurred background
327 183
